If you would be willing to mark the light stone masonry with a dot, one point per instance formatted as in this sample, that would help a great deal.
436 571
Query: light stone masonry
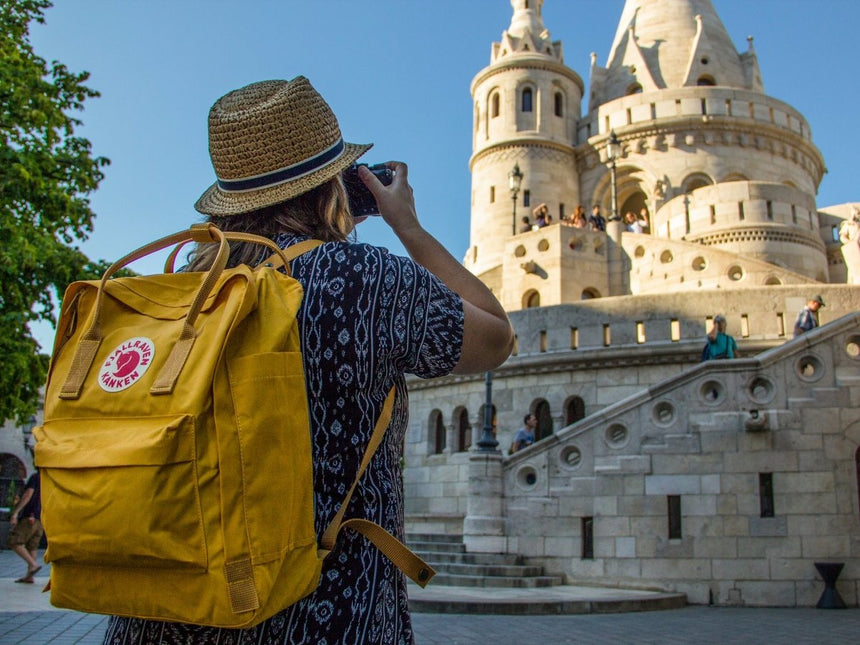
763 450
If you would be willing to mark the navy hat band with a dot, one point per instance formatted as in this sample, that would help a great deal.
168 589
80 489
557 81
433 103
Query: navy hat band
283 175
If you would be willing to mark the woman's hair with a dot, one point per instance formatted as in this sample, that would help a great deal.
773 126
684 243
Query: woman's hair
322 213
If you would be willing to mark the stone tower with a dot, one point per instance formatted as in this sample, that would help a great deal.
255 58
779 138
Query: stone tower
717 162
727 174
526 110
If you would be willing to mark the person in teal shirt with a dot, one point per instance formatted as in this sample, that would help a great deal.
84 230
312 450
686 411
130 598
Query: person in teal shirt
719 344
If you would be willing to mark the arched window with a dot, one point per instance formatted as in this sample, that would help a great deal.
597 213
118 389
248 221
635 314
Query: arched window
437 427
589 294
526 104
464 432
559 104
706 81
494 105
531 300
12 476
544 418
574 410
694 181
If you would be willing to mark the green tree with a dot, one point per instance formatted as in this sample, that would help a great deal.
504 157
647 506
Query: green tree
46 175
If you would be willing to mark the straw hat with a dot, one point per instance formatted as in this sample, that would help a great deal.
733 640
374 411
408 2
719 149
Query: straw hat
269 142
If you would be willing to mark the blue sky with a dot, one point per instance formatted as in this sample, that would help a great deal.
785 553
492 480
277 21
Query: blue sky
396 72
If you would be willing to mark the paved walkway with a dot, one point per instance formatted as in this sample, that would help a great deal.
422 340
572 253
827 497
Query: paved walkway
26 617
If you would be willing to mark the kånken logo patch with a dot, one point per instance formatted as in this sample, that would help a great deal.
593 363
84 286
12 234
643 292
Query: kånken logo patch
126 364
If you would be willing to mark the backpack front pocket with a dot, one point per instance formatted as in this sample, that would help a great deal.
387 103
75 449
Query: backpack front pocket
121 492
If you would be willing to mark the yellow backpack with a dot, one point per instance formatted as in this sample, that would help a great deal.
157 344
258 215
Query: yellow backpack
173 488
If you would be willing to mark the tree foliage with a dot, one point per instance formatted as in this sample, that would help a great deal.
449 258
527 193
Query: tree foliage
46 175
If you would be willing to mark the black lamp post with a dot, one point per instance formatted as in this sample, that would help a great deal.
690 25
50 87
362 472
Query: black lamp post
613 150
487 442
515 181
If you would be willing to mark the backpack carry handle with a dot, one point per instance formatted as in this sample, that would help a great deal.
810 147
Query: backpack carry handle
166 379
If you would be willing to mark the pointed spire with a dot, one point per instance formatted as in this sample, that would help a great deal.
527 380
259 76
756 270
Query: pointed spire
527 33
665 44
527 18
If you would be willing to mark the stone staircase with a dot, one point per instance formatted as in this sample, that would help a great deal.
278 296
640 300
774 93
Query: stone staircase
501 584
457 568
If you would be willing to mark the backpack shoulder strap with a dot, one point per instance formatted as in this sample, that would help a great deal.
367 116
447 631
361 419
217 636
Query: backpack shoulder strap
404 559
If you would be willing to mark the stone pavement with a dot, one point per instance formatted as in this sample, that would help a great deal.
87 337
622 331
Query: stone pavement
26 617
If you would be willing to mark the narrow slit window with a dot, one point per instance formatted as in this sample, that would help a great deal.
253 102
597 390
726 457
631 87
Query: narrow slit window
741 214
745 326
770 210
765 494
640 332
587 538
674 504
543 341
492 194
527 198
574 338
780 324
607 335
527 100
675 330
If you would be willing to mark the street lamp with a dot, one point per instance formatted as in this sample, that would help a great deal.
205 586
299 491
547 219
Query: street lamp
487 442
515 181
613 150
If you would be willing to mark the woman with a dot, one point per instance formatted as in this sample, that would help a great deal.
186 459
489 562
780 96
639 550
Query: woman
367 318
578 218
719 343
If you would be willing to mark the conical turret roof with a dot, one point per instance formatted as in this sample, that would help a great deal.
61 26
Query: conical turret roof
667 44
527 34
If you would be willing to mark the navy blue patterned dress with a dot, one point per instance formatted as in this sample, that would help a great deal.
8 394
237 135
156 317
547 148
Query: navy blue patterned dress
367 318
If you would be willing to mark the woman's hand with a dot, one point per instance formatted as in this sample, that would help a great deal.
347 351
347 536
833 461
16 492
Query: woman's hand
395 201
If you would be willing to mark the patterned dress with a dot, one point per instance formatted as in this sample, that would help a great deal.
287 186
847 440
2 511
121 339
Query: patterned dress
367 318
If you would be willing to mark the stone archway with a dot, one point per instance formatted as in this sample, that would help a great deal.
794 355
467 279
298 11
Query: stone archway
544 417
12 475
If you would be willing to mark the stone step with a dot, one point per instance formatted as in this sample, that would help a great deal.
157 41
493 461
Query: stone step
560 600
486 570
433 537
505 582
441 557
436 547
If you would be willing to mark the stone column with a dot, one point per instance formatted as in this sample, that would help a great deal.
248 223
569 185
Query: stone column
450 439
484 525
616 265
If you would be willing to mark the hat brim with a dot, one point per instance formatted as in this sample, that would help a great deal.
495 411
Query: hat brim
222 203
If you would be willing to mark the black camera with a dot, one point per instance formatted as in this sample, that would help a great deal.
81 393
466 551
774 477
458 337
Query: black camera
361 200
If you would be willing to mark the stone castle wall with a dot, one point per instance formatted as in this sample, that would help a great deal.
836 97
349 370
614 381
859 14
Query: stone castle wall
705 432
